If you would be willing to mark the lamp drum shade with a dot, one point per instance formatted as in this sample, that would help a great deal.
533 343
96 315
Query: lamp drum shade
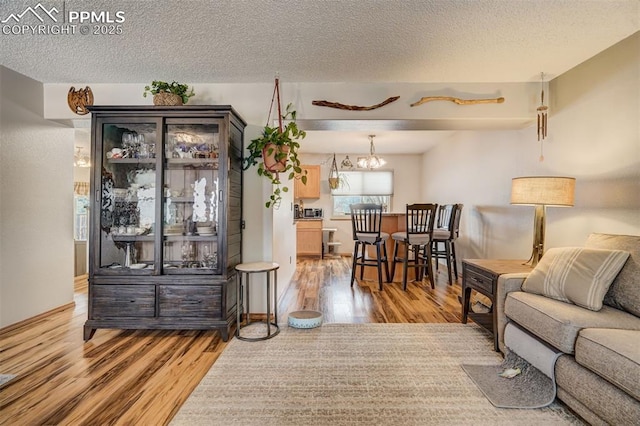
543 190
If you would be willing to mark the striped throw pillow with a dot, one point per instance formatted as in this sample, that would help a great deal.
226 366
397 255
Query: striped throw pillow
576 275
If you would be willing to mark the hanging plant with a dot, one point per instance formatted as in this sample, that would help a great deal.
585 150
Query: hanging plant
334 176
278 149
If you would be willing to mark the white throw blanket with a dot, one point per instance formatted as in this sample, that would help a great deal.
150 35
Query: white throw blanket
534 351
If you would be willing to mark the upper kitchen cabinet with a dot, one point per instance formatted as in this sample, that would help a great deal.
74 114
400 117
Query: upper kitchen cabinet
166 216
312 188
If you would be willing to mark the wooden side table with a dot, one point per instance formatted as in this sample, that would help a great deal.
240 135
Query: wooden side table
482 275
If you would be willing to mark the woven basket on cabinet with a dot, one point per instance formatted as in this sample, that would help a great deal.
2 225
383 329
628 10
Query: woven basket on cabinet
165 98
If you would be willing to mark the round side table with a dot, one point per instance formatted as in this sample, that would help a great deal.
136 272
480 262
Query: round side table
246 269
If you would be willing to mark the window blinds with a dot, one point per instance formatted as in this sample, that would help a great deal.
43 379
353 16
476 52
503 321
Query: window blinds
369 182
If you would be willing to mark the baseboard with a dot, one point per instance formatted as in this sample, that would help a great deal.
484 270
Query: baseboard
19 324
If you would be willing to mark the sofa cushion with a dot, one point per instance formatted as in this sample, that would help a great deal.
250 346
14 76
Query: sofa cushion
558 323
624 292
613 355
575 274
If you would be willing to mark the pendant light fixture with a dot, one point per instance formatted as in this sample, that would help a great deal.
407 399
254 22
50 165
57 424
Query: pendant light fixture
372 161
346 163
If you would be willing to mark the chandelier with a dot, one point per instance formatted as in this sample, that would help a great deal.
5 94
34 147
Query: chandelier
80 159
372 161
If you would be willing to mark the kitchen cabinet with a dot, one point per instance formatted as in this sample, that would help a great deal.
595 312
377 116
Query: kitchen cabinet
312 188
165 233
309 237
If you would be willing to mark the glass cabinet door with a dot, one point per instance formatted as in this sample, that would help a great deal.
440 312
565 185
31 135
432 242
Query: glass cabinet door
191 193
127 198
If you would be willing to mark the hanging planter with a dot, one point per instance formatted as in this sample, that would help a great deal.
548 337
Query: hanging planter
334 177
276 150
334 183
275 157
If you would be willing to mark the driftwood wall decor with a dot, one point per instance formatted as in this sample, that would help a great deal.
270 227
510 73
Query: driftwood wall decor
458 100
78 100
355 107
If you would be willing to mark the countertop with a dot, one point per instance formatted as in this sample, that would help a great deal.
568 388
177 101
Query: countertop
348 217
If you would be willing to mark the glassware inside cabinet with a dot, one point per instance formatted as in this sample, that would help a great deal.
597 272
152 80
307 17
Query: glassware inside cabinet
128 196
191 187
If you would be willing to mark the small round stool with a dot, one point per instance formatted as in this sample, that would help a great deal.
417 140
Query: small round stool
253 268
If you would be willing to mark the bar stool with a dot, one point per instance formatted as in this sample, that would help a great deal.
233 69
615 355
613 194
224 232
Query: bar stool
417 237
254 268
366 222
446 234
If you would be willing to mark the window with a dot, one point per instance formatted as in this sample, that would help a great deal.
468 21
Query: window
80 217
371 186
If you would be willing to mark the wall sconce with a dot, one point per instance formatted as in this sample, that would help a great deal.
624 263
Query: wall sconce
542 191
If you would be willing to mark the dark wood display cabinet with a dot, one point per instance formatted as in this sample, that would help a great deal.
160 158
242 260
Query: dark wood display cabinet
166 217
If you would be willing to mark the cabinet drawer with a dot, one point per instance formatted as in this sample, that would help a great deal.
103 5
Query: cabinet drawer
190 301
113 301
477 280
309 224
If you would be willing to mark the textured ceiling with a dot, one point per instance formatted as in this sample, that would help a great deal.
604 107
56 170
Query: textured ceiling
377 41
223 41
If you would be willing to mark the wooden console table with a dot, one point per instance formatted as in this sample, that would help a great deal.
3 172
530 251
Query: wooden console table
482 275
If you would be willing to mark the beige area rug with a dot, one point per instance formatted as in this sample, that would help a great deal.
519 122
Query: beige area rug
356 374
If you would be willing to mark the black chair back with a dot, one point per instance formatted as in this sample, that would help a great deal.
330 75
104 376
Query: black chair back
446 216
366 221
420 222
455 229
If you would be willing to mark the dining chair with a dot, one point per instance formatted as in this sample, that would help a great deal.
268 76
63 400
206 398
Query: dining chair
416 241
445 235
366 221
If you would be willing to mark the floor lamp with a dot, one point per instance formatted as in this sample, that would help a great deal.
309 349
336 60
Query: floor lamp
542 191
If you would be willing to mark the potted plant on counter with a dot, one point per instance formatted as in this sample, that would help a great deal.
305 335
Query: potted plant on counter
164 93
277 148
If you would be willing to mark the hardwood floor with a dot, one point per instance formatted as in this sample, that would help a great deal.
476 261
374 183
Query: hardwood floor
143 377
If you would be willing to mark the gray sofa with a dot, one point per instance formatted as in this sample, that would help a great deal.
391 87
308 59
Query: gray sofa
598 375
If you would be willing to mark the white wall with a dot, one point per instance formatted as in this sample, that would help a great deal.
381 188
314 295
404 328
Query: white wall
251 100
594 135
36 203
269 234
